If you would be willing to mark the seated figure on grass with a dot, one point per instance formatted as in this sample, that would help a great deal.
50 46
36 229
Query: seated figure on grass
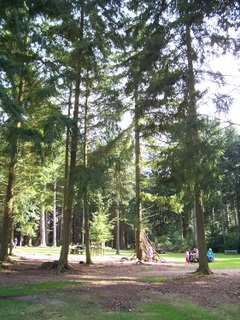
210 255
194 255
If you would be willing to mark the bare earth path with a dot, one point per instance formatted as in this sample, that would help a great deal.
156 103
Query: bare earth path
117 280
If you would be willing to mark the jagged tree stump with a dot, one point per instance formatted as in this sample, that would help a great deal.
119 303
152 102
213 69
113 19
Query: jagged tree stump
61 267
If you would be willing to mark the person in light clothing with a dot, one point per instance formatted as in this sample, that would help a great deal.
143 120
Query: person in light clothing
210 255
150 254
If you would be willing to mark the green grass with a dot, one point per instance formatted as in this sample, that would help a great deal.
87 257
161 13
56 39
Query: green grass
71 300
222 261
152 280
32 288
56 251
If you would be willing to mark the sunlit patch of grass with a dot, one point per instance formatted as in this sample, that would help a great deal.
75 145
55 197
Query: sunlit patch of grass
164 310
152 280
39 287
178 311
225 262
222 261
229 310
72 300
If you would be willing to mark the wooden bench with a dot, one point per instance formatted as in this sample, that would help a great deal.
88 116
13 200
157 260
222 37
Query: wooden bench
230 252
76 251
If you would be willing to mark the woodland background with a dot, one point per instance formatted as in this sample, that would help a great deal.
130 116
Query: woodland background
71 172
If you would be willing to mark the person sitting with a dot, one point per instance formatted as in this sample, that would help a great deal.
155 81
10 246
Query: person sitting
210 255
195 255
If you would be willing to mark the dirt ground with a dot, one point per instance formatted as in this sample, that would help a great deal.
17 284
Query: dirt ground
119 277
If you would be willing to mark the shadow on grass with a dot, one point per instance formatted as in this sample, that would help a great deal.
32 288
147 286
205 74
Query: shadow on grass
74 300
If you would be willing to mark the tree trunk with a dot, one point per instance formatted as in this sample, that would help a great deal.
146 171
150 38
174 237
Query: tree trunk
137 180
67 214
237 215
203 262
85 162
192 109
87 231
117 215
43 226
55 214
8 208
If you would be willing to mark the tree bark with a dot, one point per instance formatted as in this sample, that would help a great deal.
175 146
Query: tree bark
192 109
67 214
203 262
43 225
85 191
117 214
8 209
55 214
137 180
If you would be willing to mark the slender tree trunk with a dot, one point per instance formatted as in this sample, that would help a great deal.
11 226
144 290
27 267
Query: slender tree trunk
11 238
237 215
46 228
83 224
8 208
212 219
66 168
181 224
87 231
67 215
201 241
43 225
117 215
137 180
222 218
85 162
195 235
55 214
203 262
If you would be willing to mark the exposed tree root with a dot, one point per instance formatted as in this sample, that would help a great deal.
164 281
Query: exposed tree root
59 266
202 273
8 259
2 266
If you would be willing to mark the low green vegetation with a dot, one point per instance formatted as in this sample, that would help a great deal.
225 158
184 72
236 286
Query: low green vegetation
71 300
154 280
222 261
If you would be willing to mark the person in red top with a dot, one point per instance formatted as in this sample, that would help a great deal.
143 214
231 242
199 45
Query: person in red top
187 256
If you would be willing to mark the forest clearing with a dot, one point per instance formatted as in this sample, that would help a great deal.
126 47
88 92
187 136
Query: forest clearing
115 287
75 177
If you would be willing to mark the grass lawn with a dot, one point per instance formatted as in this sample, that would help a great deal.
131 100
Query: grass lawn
222 261
71 299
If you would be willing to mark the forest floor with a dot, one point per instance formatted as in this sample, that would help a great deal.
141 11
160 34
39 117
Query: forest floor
127 281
